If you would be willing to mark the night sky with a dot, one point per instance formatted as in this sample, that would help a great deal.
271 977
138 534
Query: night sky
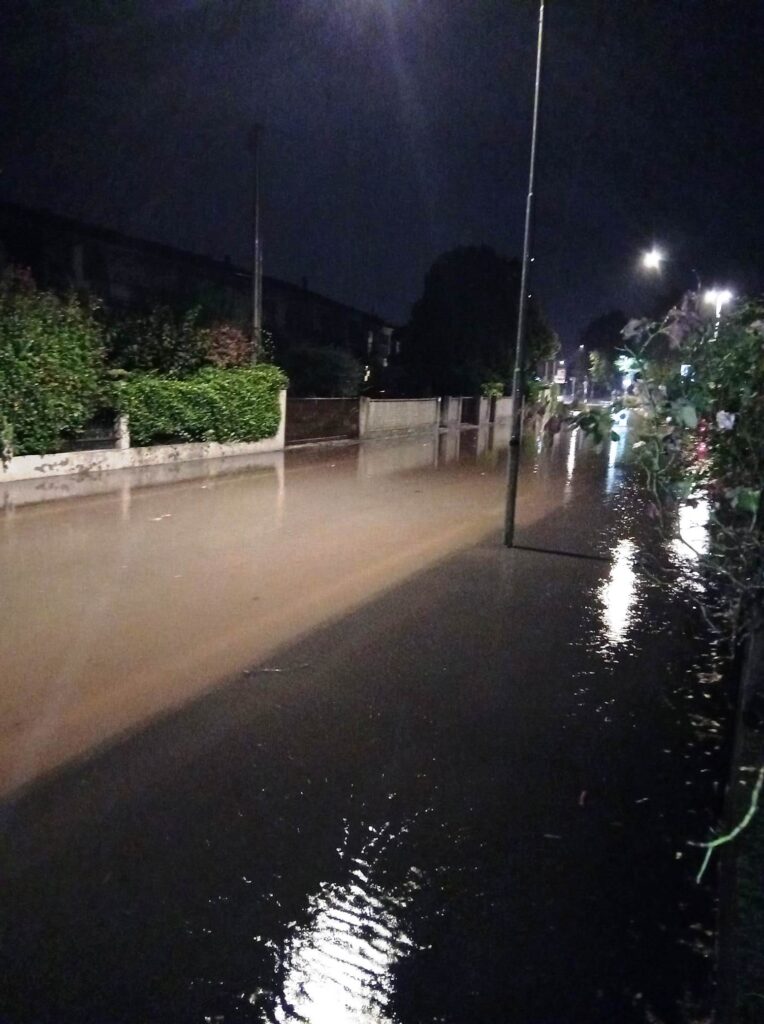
398 129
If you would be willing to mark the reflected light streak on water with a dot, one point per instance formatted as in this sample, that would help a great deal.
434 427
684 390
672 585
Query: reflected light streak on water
692 529
570 465
337 970
615 453
616 450
617 594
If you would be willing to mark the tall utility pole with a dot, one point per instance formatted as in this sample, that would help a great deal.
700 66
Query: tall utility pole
257 250
518 376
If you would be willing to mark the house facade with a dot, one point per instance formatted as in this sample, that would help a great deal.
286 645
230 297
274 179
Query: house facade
134 274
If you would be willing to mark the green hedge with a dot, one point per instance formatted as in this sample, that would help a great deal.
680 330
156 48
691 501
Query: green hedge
51 366
212 405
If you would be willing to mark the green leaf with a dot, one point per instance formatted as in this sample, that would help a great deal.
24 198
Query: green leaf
746 499
681 488
685 414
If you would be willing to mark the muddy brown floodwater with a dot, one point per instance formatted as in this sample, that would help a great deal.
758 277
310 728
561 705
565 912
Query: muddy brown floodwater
296 738
120 606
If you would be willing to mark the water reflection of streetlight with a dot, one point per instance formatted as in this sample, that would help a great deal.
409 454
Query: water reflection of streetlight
618 593
570 465
692 530
615 452
338 969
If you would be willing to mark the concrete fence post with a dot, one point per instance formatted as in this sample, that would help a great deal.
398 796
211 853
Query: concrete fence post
281 432
364 409
121 431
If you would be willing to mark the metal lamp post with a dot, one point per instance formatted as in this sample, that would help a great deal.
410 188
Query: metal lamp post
257 252
518 375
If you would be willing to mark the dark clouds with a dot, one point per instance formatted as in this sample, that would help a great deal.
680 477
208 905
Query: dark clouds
398 128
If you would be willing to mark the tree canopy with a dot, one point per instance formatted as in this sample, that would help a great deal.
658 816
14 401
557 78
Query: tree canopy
461 333
603 334
318 371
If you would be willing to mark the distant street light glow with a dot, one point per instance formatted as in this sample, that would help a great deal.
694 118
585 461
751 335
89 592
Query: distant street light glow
718 297
652 260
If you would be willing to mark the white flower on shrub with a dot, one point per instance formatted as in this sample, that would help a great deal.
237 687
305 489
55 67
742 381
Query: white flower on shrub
725 420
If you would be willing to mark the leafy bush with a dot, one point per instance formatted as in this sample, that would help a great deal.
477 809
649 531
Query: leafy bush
212 405
601 368
492 389
161 341
228 346
51 365
164 341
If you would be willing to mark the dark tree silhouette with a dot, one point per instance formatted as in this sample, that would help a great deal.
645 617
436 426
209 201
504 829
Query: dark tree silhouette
603 334
319 371
461 333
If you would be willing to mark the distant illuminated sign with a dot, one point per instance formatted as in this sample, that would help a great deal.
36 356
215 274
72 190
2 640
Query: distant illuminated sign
560 375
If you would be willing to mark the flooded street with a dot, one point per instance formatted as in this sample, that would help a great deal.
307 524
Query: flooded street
127 603
297 739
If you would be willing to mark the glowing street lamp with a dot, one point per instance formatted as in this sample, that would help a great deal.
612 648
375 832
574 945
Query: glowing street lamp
652 260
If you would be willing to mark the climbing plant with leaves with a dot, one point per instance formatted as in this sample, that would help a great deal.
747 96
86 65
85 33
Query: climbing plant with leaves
701 438
700 414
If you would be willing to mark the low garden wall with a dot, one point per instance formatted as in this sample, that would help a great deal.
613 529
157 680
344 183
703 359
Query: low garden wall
451 411
502 409
29 467
35 491
393 415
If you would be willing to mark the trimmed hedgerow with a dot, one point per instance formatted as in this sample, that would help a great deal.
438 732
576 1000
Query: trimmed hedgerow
212 405
51 367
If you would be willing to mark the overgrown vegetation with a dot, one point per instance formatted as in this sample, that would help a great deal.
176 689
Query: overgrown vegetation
701 390
175 344
179 379
748 925
211 405
601 369
700 399
51 362
492 389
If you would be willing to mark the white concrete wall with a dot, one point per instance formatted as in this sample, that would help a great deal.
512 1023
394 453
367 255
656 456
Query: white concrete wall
40 467
393 415
451 411
18 493
503 410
